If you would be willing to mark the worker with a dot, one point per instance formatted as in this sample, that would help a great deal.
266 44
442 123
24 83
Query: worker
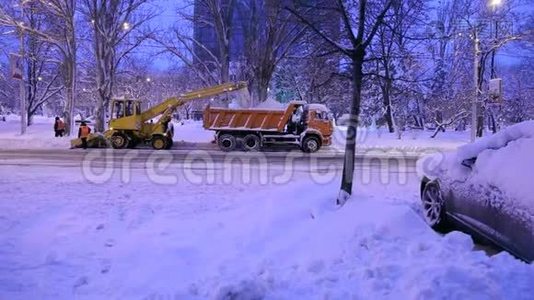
59 127
296 120
83 133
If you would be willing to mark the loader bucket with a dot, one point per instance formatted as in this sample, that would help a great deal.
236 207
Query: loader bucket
93 141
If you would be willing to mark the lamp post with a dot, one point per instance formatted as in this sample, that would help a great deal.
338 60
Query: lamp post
494 4
23 110
475 105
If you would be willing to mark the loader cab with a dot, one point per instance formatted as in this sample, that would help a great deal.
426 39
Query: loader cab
121 108
125 114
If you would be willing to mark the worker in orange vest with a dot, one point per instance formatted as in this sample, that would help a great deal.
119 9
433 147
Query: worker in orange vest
59 127
83 133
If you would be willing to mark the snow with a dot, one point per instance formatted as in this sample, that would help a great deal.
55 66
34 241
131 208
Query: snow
192 131
503 160
509 169
317 106
412 141
270 103
499 140
138 238
502 171
40 135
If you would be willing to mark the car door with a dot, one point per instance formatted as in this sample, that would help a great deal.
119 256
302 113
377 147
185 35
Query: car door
514 226
469 205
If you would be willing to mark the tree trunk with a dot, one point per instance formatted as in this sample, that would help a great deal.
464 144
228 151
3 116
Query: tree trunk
352 130
261 90
70 84
99 115
388 114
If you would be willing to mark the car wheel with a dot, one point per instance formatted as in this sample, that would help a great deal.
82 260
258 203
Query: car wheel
434 207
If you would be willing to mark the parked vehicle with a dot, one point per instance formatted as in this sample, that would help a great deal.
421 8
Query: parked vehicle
485 189
309 126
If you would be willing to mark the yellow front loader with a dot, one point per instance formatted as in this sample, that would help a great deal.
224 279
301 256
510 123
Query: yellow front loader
129 125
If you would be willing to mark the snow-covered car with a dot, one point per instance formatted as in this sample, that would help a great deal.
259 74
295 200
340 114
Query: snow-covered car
486 189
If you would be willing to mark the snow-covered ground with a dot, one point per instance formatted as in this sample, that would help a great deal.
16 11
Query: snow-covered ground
139 238
38 136
41 135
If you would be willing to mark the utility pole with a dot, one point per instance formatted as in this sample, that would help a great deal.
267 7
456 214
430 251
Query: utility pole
474 103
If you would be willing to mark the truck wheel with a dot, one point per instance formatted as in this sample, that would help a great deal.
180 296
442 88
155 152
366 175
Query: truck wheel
159 142
227 142
119 141
251 142
310 144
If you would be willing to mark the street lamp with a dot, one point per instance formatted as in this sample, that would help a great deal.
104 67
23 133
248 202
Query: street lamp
495 3
475 105
126 26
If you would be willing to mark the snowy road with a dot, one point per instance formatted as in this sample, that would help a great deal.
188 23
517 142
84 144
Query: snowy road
137 157
165 226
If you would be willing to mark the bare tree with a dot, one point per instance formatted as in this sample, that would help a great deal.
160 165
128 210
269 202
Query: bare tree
270 33
113 22
392 55
361 20
205 50
61 33
41 69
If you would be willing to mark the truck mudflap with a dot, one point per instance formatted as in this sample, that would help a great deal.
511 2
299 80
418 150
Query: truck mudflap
327 140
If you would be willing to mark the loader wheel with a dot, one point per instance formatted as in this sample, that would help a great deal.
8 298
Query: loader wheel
159 142
119 141
227 142
251 142
310 144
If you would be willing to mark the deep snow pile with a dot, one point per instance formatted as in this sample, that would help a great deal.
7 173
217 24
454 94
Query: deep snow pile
64 238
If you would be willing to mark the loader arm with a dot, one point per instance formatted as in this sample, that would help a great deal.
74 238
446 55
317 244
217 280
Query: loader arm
167 107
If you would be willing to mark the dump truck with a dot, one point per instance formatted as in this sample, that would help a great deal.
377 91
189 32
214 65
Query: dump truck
130 125
310 126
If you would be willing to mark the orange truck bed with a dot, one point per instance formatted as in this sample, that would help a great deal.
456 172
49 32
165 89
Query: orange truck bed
273 120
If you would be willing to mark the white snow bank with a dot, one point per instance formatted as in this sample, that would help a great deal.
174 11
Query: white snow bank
63 238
